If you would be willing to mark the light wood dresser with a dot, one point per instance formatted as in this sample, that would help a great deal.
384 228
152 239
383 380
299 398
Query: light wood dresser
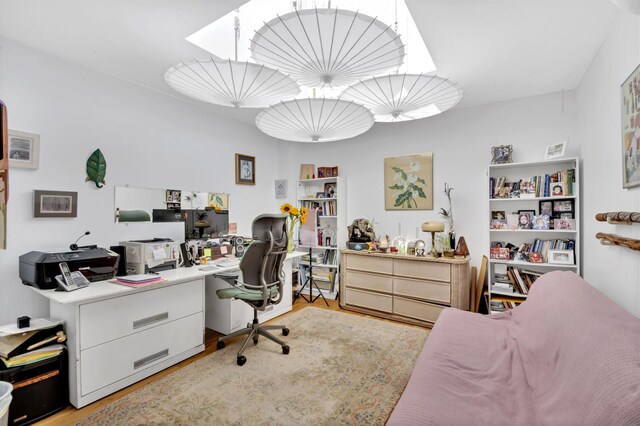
403 288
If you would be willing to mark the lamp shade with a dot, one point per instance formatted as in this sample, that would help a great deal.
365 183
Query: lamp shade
231 83
333 47
315 120
403 97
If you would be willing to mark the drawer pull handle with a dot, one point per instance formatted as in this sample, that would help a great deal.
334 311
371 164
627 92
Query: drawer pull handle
150 320
149 359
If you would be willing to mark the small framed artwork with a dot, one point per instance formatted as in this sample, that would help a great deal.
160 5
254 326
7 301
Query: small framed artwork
281 188
320 195
555 150
497 244
498 214
564 224
541 222
501 154
55 204
630 106
525 219
566 215
24 149
408 182
563 257
546 208
307 171
557 189
245 169
563 206
330 190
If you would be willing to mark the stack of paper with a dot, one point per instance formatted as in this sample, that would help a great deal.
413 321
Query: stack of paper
33 356
139 280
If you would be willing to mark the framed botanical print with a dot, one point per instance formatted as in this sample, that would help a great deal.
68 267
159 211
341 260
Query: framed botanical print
408 182
630 103
245 169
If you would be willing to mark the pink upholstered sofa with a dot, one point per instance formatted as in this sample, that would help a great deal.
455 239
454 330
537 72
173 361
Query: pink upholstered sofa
568 356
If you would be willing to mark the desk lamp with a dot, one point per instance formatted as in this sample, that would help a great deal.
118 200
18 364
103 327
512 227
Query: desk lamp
433 227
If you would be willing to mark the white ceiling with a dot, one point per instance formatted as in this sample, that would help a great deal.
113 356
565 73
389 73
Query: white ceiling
495 49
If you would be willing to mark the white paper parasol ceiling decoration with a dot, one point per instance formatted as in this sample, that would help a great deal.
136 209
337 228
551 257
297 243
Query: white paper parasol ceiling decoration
231 83
315 120
327 46
403 97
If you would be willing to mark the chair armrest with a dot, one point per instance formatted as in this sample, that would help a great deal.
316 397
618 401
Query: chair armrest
230 276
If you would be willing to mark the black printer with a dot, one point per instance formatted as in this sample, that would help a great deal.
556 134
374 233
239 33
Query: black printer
39 269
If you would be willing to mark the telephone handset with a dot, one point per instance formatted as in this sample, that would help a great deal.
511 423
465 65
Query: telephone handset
70 281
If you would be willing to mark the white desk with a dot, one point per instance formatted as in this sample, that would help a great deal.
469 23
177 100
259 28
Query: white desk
118 335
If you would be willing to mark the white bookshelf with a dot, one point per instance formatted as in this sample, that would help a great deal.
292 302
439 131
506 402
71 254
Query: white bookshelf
335 221
513 173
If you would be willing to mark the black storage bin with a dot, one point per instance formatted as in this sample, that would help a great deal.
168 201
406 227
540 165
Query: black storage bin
39 389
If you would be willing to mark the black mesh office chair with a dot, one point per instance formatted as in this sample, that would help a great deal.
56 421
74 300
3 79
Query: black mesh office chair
261 282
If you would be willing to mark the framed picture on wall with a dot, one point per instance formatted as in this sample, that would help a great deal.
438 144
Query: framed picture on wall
630 104
55 204
408 182
24 149
245 169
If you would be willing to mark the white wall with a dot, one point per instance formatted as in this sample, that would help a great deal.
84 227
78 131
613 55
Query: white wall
613 270
461 142
148 139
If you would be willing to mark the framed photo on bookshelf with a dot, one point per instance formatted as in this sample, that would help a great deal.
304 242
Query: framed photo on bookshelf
557 189
563 205
562 257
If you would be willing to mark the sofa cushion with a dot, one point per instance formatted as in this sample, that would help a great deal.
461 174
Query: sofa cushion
568 356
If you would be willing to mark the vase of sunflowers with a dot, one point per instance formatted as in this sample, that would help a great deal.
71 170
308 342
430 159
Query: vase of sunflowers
295 216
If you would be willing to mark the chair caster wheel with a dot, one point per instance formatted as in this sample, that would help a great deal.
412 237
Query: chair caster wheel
220 344
241 360
285 331
285 349
255 340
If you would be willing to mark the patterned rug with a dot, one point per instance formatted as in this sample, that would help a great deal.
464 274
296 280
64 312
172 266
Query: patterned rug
343 369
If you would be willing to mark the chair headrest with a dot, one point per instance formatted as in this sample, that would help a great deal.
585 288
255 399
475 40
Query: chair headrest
274 222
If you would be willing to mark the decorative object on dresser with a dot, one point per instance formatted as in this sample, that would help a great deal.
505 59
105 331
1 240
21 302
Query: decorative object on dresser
448 215
408 182
96 168
629 95
555 227
433 227
22 148
245 169
403 288
501 154
360 233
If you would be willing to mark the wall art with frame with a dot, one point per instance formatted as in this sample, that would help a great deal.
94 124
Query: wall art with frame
245 169
55 204
630 105
24 150
408 182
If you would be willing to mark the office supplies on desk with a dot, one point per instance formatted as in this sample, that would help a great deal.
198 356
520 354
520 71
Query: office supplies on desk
39 269
153 255
34 356
70 281
16 341
138 282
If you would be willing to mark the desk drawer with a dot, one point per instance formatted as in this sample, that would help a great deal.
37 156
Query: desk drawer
427 290
369 281
414 309
422 270
116 360
112 319
369 263
365 299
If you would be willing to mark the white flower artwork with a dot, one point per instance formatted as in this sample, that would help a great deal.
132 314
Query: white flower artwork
408 182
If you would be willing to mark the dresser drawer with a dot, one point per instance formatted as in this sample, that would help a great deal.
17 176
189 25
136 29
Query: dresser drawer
366 281
428 290
112 319
107 363
422 270
365 299
414 309
370 264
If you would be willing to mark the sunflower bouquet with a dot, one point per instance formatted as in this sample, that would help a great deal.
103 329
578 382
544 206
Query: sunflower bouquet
295 216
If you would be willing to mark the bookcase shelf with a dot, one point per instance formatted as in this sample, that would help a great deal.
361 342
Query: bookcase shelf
520 273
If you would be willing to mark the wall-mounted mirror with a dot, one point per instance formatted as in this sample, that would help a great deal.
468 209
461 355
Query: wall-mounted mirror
205 214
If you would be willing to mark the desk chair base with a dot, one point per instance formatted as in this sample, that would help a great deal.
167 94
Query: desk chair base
253 331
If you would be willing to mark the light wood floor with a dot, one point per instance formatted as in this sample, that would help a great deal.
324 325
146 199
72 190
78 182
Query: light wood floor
70 415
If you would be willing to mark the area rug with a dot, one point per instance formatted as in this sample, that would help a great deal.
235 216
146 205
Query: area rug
343 369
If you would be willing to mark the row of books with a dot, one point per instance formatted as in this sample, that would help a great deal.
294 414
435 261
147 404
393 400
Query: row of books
323 208
328 257
549 185
325 279
515 281
502 306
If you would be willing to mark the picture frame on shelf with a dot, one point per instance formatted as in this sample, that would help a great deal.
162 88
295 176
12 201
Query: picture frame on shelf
512 220
497 244
501 154
24 150
320 195
245 169
55 204
557 189
546 208
307 171
629 95
525 219
560 257
564 224
541 222
555 150
499 224
535 258
330 190
566 215
498 214
563 205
